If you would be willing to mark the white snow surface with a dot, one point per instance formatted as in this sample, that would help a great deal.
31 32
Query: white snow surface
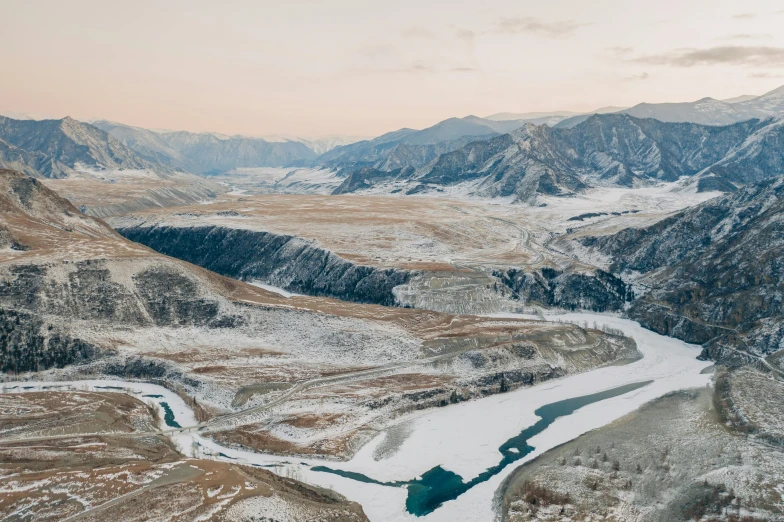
274 289
465 437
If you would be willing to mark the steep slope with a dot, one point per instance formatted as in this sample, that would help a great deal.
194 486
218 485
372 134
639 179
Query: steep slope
711 274
94 170
604 150
521 164
207 153
68 143
628 151
759 157
770 103
34 164
411 148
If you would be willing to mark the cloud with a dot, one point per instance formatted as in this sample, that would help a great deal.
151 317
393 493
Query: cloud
377 52
638 77
463 69
417 32
747 36
724 55
466 35
419 67
621 51
744 16
529 24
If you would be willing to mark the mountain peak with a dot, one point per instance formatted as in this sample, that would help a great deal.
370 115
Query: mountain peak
775 93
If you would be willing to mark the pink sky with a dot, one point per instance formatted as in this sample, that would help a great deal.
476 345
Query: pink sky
311 68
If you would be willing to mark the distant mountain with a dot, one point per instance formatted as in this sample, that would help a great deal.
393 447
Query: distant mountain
206 153
54 148
327 143
562 118
708 111
741 98
109 178
416 148
604 150
34 164
711 274
529 116
760 156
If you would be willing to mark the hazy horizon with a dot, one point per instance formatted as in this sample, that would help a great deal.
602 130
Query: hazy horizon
364 68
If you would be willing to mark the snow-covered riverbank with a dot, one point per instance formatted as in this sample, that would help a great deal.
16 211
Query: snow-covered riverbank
462 438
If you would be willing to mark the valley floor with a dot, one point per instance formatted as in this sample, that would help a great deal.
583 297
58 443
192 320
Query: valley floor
415 443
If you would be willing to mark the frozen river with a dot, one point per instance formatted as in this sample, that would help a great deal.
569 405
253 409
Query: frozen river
472 446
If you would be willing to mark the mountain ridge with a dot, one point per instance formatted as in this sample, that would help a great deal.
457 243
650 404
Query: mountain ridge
604 150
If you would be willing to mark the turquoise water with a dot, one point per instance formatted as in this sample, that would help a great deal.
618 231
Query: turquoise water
168 417
436 486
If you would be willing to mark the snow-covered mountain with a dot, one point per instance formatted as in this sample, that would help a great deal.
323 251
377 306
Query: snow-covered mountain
714 272
529 116
206 153
604 150
553 118
54 148
709 111
415 148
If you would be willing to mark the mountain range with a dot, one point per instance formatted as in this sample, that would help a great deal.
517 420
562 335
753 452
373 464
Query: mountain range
604 150
724 144
415 148
206 153
55 148
706 111
710 274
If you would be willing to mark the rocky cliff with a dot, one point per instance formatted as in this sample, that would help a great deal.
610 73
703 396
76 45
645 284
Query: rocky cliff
711 274
280 260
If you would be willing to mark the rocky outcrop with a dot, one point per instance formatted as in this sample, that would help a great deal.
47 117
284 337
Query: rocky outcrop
93 290
367 177
285 261
711 273
53 148
28 344
599 291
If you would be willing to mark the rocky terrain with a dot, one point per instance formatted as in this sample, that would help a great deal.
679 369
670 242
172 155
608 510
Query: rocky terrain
93 169
676 458
441 255
56 148
709 275
415 148
603 150
305 326
284 261
269 369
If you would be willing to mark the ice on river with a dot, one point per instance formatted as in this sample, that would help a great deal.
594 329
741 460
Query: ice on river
464 438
